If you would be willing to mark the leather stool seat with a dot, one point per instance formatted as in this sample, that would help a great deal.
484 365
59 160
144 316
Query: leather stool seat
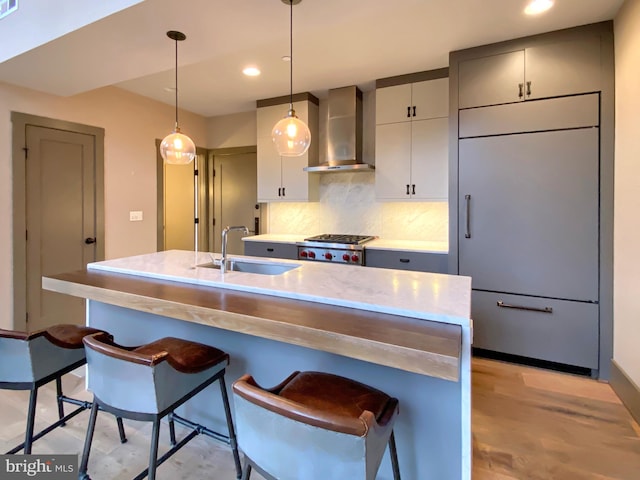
314 425
30 360
149 382
184 356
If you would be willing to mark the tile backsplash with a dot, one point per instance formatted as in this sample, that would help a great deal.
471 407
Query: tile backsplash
348 205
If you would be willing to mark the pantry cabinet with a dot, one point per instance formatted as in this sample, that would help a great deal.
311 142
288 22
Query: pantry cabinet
282 179
531 168
412 140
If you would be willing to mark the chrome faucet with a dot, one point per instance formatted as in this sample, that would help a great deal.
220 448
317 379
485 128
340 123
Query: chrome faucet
225 231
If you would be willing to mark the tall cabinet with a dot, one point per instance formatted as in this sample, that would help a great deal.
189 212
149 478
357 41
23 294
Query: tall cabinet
282 179
411 136
531 194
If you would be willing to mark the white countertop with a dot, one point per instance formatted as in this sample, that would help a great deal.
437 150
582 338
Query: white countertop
430 296
422 246
275 238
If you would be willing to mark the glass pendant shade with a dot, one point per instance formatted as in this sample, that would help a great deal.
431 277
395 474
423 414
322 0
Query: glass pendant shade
177 149
291 136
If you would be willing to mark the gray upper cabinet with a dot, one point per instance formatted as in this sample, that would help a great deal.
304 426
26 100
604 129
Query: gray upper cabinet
491 80
542 71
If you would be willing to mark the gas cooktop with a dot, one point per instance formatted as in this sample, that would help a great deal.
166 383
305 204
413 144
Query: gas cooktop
340 238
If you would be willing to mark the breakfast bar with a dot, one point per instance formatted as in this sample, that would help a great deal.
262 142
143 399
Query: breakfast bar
406 333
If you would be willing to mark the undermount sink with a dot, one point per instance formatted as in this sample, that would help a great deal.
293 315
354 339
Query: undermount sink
261 268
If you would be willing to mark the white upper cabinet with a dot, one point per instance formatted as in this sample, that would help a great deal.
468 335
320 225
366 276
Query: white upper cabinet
412 101
542 71
282 179
412 141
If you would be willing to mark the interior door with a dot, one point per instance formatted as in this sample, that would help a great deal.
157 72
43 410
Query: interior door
235 199
61 219
178 205
529 213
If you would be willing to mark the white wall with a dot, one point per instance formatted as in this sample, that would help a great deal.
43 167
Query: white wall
35 17
626 307
237 130
132 124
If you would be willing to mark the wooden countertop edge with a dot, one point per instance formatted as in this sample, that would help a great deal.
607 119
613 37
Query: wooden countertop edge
444 366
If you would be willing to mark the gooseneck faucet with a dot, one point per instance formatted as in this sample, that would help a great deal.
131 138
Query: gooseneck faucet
225 231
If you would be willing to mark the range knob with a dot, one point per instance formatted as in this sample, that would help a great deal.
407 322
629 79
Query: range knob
304 254
345 257
328 256
354 258
312 254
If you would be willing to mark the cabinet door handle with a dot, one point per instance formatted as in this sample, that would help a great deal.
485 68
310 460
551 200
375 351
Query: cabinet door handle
283 192
528 89
414 110
413 189
467 199
404 260
520 92
409 112
279 192
269 249
407 189
90 240
501 304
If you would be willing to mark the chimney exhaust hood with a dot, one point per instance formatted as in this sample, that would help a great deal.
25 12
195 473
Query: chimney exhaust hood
344 133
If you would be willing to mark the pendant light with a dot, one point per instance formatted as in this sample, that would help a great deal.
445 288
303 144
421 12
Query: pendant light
176 148
291 135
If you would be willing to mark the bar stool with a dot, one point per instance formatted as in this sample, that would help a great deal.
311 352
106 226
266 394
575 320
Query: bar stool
30 360
314 426
148 383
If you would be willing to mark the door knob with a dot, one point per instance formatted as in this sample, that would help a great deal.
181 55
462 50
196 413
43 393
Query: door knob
90 240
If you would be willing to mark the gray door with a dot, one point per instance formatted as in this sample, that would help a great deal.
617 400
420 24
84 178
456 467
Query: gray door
532 213
61 219
235 198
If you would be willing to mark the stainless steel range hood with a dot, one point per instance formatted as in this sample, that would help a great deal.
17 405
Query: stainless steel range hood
344 133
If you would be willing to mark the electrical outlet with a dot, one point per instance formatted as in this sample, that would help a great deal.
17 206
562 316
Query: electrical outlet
135 216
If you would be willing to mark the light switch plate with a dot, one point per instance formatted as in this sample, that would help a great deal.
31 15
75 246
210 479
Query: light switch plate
135 216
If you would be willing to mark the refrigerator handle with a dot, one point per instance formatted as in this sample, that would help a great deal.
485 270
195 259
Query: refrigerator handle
467 199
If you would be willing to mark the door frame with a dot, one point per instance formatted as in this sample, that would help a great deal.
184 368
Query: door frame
20 121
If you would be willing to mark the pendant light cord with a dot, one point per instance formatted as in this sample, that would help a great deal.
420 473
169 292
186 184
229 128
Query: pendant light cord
291 55
176 41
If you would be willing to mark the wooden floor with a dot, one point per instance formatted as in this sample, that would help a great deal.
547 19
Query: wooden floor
527 424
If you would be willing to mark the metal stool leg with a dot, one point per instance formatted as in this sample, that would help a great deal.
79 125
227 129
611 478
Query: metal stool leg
246 469
123 437
172 430
394 457
59 400
31 418
82 474
153 452
232 433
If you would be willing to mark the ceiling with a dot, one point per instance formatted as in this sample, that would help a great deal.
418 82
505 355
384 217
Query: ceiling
336 43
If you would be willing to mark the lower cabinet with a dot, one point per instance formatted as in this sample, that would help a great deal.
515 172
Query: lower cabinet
404 260
561 331
271 250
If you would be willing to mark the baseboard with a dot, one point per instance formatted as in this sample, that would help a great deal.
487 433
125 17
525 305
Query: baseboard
626 389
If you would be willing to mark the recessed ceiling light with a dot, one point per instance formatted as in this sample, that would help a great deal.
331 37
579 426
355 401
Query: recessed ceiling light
251 71
536 7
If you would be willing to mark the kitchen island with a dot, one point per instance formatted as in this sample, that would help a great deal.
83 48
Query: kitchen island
406 333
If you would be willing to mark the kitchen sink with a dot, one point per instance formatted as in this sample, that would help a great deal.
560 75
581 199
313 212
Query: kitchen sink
261 268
